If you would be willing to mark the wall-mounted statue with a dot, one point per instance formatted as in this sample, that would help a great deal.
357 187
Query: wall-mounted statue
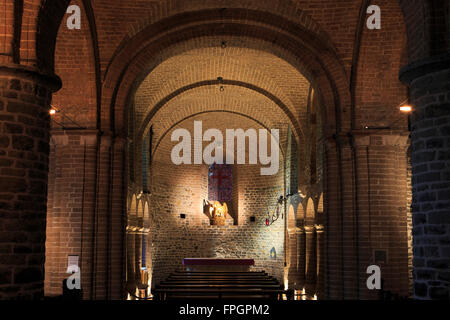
216 212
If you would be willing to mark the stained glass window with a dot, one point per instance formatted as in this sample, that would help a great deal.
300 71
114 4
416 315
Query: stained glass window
220 183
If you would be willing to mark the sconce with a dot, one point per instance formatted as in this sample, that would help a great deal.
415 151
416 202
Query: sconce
54 111
271 218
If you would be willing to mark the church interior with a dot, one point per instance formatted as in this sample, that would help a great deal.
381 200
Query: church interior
353 97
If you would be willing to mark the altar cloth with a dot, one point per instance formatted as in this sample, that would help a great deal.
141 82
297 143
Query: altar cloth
217 262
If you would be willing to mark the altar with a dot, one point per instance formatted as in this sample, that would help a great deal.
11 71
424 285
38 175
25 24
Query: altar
217 264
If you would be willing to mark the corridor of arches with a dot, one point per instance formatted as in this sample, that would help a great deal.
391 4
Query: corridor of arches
88 118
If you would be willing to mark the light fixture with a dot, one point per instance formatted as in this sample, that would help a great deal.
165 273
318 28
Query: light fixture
53 111
406 108
403 107
220 80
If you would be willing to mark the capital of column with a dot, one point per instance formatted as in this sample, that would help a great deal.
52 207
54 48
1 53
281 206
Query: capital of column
423 67
390 138
107 139
51 82
334 140
299 230
319 228
88 136
137 230
309 229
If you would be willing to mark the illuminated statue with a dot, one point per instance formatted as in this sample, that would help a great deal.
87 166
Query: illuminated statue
218 212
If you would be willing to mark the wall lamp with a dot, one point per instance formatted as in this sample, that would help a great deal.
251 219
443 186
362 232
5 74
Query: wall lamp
54 111
403 107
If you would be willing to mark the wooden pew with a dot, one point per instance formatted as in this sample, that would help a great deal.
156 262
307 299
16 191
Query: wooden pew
218 293
220 285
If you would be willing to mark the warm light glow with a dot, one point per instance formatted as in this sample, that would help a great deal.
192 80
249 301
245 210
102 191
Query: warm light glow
52 112
406 108
315 297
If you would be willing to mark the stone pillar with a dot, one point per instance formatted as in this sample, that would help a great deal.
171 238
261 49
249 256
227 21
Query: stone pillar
310 269
380 207
301 258
293 278
131 275
25 97
320 261
118 219
138 258
70 208
430 97
334 188
109 271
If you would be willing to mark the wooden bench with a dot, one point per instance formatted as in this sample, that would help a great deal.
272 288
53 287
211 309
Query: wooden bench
220 285
218 293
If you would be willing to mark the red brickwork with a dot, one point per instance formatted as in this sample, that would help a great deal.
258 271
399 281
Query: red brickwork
166 57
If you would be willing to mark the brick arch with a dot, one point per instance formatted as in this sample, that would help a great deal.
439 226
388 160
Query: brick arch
319 59
77 99
300 215
249 65
274 99
147 211
310 214
49 18
238 100
284 8
140 208
291 217
211 111
132 209
320 204
17 45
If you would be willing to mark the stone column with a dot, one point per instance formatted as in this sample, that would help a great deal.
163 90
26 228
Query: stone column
310 269
320 261
71 207
131 275
380 210
301 258
293 278
117 220
25 97
430 97
138 258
